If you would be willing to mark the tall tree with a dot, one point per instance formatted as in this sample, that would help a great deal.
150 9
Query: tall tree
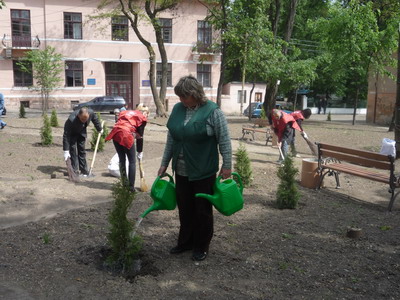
219 11
133 10
352 36
46 67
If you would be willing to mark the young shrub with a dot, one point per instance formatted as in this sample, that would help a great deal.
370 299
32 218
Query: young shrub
287 195
124 246
22 112
328 118
95 134
53 119
45 132
242 165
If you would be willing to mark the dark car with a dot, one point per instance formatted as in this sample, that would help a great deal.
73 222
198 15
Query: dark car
103 103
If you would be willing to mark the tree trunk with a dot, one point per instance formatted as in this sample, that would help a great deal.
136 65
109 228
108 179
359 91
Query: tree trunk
251 93
397 108
223 6
160 104
270 95
274 16
290 23
355 107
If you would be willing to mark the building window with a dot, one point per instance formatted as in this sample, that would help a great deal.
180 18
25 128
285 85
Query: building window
159 74
21 28
73 26
166 30
119 28
204 74
73 73
258 97
204 36
22 78
240 95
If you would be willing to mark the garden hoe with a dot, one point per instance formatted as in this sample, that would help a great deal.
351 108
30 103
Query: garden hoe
143 185
95 150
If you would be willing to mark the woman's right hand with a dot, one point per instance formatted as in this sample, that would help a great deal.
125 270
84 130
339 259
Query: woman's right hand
161 171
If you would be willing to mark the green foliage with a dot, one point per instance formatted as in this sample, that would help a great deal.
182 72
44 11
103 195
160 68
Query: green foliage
46 67
46 238
287 195
45 132
263 115
95 135
124 247
53 119
22 112
329 118
242 165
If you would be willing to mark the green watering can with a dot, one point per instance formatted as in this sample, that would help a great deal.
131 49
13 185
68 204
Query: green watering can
163 194
227 198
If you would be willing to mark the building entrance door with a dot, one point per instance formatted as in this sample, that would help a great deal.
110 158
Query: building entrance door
119 88
119 80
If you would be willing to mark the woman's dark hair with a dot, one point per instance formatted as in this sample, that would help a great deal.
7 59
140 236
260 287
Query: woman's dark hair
306 113
189 86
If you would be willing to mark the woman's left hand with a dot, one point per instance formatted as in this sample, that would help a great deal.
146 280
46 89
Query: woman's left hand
225 173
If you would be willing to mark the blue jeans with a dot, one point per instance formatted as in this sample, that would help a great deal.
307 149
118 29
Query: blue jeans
284 149
2 123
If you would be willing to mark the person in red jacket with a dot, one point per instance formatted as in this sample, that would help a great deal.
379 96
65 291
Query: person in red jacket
299 116
130 125
283 125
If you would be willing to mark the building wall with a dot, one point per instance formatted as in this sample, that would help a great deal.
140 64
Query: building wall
381 99
96 47
231 104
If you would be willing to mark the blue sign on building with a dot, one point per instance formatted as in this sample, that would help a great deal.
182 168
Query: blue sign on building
145 82
91 81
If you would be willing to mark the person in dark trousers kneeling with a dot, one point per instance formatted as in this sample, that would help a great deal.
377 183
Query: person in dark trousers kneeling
197 128
74 138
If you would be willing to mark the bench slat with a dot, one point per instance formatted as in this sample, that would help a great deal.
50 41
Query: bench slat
358 172
384 165
366 154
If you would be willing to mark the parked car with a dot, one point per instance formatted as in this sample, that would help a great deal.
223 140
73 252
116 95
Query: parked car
257 107
103 103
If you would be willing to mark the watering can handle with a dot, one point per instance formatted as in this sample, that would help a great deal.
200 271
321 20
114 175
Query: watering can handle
165 175
239 179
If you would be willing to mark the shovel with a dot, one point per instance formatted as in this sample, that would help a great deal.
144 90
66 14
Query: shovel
143 185
95 149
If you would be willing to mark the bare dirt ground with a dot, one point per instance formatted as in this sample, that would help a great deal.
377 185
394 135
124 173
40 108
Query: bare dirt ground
53 232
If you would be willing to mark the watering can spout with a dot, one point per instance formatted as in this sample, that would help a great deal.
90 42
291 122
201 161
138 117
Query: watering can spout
150 209
211 198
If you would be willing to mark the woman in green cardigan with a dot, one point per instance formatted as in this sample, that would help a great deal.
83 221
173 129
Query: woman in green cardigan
197 129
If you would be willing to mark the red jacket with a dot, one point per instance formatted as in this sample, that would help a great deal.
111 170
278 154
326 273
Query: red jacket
125 128
297 115
280 124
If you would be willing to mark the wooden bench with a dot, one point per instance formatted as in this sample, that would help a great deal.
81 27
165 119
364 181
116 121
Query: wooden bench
332 160
257 126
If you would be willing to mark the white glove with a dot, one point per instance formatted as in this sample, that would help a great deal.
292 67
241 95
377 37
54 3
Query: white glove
304 135
66 155
139 155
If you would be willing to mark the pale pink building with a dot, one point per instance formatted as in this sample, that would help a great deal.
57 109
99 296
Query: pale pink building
101 59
